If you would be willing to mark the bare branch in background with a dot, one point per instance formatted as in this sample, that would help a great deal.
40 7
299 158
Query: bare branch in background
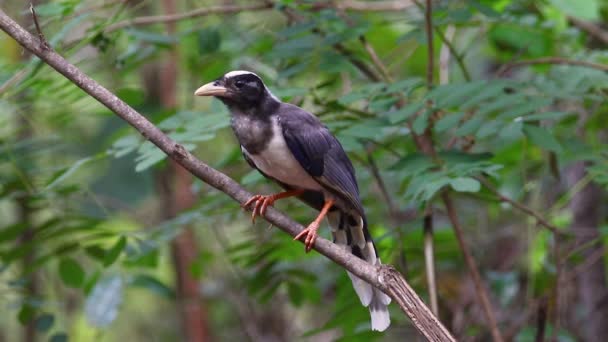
199 12
445 54
592 29
554 60
468 258
385 278
522 207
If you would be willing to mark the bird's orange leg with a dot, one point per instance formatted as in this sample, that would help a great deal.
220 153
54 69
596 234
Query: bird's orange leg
262 202
310 233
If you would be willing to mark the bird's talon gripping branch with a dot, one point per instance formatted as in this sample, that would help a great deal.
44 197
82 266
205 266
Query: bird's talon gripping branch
311 231
310 236
263 201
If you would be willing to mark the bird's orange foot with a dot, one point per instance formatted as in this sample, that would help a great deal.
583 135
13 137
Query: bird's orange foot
309 235
261 203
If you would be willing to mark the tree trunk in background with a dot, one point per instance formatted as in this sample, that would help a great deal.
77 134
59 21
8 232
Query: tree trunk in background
176 197
586 207
25 211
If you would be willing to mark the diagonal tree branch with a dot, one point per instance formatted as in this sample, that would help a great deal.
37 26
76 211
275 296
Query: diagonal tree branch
199 12
385 277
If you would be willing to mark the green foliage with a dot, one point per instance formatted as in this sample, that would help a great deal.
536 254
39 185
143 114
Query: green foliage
79 191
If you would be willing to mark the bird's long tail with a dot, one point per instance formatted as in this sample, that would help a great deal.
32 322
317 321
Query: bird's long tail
350 231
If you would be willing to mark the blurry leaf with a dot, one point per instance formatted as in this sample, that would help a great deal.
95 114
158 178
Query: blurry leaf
465 184
511 131
63 174
154 285
209 40
469 126
151 37
96 252
404 113
101 306
124 146
542 138
113 253
588 9
459 93
44 322
368 129
132 96
148 156
59 337
547 116
26 313
448 121
71 272
421 122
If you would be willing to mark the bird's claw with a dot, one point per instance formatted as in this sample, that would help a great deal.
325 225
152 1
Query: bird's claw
310 236
261 204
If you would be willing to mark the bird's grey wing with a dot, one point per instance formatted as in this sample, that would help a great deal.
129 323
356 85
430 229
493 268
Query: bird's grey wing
320 153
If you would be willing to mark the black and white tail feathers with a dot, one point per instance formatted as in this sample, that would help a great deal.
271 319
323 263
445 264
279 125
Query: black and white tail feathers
350 231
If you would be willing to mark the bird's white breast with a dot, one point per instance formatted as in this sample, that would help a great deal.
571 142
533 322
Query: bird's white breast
277 161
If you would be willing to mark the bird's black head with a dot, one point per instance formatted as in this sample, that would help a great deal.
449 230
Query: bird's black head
242 90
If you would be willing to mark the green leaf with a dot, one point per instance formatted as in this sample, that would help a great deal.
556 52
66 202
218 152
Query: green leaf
404 113
63 174
154 285
26 313
542 138
151 37
557 116
209 40
587 9
465 184
448 121
59 337
132 96
101 306
113 253
71 272
470 126
421 122
44 322
460 93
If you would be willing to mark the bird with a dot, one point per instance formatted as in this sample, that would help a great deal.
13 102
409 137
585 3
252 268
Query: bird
291 147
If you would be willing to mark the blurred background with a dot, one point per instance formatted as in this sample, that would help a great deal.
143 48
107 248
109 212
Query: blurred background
103 238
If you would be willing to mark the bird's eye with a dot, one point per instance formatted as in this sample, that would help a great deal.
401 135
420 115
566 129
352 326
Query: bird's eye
239 84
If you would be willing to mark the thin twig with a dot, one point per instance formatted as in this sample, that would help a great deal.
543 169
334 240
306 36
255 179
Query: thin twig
369 6
199 12
592 29
429 249
429 260
428 24
385 277
522 207
444 55
375 59
43 42
559 281
16 78
480 289
554 60
541 320
376 174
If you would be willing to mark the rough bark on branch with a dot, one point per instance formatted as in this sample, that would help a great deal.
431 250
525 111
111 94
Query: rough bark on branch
385 277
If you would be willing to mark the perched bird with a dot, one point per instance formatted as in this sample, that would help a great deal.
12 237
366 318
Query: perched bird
293 148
